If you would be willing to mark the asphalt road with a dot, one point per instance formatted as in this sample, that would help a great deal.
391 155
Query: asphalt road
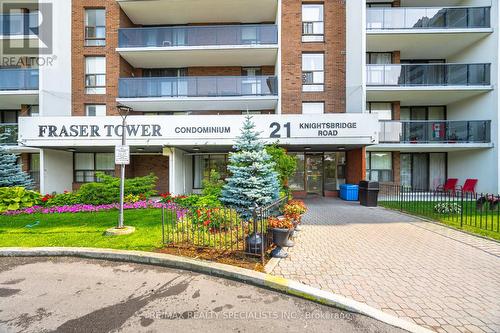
80 295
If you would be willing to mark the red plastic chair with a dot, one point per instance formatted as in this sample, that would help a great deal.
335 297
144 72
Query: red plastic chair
469 186
449 186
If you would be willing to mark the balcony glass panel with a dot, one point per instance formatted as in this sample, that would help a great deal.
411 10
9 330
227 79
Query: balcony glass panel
258 34
442 131
428 75
198 86
428 18
18 79
18 24
8 134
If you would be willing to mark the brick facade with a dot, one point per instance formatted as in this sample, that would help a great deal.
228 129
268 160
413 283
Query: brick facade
333 47
356 166
114 64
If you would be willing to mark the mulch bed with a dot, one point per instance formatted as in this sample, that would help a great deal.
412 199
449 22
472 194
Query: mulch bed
224 257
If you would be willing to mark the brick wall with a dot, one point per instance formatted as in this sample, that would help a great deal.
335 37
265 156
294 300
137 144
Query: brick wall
396 110
356 165
333 47
396 166
143 165
114 64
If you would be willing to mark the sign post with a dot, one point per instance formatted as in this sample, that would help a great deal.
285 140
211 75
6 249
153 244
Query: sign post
122 158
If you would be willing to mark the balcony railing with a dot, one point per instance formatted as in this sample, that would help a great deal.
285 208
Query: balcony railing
18 79
428 75
8 134
215 35
435 131
428 18
198 86
18 24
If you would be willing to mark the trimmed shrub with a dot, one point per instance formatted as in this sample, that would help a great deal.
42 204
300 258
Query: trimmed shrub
63 199
108 189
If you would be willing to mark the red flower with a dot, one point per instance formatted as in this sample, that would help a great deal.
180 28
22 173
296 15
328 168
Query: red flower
44 199
207 222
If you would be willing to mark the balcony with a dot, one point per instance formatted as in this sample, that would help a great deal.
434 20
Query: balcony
8 134
18 86
434 83
434 134
217 45
420 32
427 18
199 11
202 93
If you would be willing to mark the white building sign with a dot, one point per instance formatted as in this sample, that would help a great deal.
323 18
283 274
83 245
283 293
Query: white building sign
188 130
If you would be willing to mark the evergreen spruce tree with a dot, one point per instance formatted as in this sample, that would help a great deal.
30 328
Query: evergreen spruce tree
11 173
253 181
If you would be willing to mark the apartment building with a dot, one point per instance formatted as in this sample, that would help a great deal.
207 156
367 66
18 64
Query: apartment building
382 90
432 76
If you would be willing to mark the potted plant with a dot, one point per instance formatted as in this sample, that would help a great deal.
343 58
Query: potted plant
294 210
281 228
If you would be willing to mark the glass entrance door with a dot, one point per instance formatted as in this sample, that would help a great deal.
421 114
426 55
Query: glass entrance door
314 174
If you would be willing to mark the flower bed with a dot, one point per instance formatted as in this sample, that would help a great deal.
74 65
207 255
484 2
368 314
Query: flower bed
80 208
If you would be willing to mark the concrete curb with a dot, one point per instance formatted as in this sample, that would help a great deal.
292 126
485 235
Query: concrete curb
221 270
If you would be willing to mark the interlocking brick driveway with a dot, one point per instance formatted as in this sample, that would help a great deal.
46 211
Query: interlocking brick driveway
439 278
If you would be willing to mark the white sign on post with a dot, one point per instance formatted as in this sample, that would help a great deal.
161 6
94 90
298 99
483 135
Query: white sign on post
122 155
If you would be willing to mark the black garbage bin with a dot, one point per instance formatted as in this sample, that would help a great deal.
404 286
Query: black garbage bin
368 193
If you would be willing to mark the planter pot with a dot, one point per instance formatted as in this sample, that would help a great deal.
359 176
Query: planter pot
280 237
298 228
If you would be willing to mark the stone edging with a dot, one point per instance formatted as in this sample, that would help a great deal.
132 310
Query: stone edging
221 270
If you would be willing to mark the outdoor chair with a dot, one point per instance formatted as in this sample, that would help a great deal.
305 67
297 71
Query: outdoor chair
449 186
469 186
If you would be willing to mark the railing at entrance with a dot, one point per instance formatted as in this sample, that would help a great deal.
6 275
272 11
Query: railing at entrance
219 228
465 210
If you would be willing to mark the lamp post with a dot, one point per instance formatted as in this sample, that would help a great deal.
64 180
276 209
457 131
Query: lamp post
124 112
121 229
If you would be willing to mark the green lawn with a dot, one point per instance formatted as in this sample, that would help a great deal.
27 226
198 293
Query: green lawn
482 222
83 229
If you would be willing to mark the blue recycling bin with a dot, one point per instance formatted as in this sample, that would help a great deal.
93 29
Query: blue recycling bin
349 192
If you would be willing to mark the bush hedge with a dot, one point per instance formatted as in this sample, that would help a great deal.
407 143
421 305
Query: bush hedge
108 189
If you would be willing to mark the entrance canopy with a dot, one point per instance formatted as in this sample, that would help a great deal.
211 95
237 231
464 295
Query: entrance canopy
325 130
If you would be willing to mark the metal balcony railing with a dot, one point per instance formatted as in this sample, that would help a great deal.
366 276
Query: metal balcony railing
198 86
18 79
214 35
435 131
428 75
8 134
18 24
427 18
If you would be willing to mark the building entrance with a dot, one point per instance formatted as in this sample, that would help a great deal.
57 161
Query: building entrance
318 173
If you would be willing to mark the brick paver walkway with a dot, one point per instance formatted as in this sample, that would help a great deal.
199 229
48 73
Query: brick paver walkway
439 278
